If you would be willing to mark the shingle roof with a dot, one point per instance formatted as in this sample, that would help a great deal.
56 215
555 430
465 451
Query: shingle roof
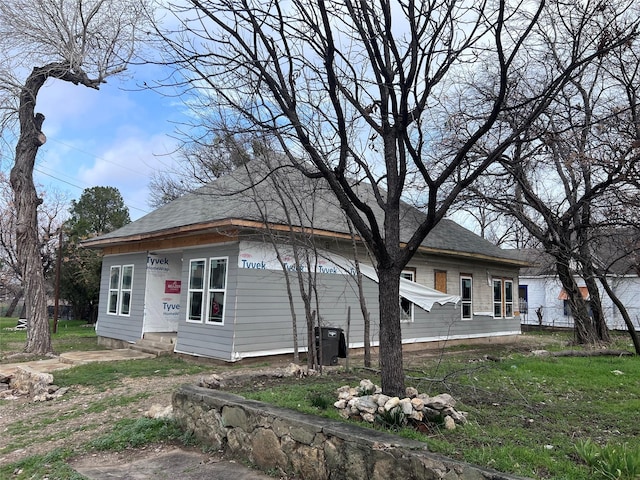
248 195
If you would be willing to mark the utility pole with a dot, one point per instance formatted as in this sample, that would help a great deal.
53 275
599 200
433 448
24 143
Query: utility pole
56 301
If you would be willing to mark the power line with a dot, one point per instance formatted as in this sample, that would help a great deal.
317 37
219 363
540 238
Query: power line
130 207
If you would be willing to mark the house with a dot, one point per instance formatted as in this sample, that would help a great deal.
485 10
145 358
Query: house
213 267
543 301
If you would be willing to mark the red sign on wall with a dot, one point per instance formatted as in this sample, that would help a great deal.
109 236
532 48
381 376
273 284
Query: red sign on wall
172 286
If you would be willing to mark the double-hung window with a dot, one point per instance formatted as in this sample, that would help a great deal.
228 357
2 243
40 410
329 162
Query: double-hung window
466 296
207 289
120 288
406 306
502 298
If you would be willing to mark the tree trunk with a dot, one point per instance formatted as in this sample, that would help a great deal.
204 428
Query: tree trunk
584 327
391 367
623 311
26 205
14 303
599 319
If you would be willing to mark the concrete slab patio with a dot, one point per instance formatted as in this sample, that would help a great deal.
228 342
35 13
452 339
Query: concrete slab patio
70 359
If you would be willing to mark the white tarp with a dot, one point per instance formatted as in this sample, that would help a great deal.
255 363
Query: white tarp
262 256
416 293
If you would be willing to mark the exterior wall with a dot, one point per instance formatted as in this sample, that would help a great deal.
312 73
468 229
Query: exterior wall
202 339
121 327
263 313
544 291
257 314
443 322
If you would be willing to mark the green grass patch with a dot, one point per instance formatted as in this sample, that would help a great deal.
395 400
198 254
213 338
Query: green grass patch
526 413
134 433
52 466
72 335
128 433
103 375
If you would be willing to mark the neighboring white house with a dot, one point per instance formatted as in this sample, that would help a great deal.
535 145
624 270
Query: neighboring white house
543 300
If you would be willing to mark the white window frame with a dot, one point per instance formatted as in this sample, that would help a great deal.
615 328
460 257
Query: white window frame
191 289
404 318
207 292
497 288
120 296
508 303
466 302
502 303
213 291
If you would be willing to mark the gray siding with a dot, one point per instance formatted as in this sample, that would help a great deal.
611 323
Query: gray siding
264 318
127 328
202 339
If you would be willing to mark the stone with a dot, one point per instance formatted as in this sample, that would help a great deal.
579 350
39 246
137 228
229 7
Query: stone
159 411
391 403
28 381
340 404
305 461
539 353
411 392
366 405
266 451
415 415
344 414
440 402
368 417
418 404
211 381
344 395
431 413
234 417
382 399
406 406
449 423
367 386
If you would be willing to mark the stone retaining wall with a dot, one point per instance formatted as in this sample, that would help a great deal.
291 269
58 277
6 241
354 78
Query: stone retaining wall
311 447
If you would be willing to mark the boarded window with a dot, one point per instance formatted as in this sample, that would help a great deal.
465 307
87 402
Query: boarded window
441 281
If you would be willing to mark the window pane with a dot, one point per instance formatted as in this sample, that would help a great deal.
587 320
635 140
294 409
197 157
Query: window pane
196 275
465 288
508 291
195 305
127 277
497 291
508 310
216 307
466 310
113 302
126 302
218 274
405 309
114 279
497 309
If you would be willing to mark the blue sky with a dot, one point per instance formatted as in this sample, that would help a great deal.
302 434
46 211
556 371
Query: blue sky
116 136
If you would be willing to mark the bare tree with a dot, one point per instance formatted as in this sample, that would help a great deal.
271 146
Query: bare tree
572 170
361 91
78 41
50 218
200 161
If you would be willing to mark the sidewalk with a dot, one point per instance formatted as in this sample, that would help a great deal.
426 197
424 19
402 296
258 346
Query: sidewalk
177 464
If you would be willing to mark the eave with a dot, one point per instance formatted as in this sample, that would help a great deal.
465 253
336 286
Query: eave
220 231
